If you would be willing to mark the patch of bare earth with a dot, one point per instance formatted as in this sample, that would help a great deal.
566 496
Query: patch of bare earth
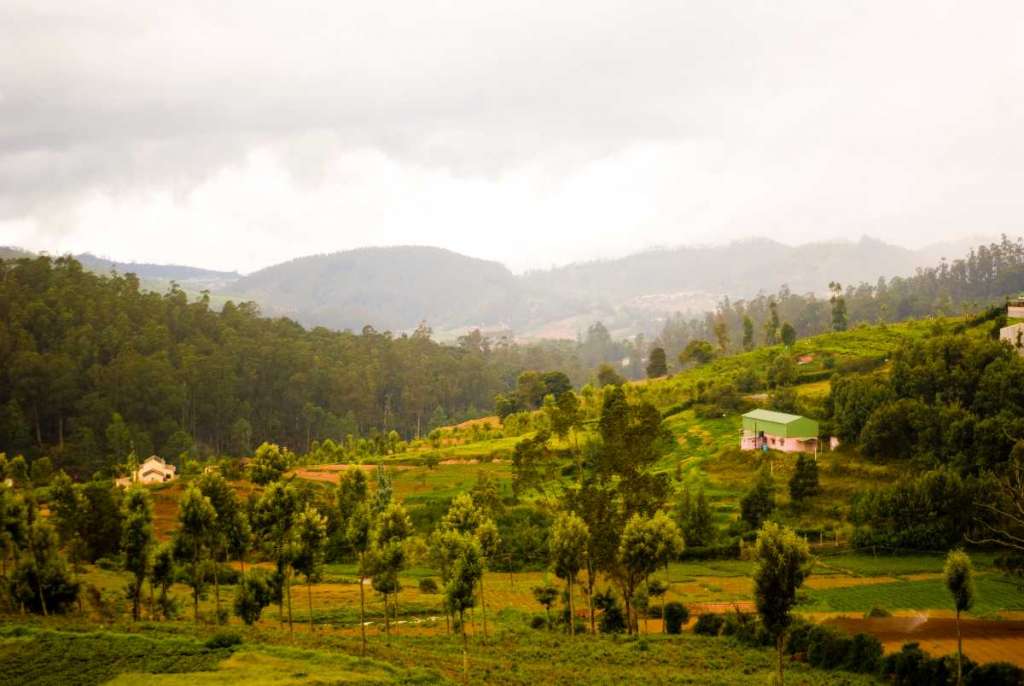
984 640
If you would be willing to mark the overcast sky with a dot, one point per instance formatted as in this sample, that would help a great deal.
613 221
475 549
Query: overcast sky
238 134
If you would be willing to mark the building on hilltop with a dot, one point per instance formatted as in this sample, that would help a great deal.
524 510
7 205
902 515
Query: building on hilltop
153 471
1014 335
789 433
1015 308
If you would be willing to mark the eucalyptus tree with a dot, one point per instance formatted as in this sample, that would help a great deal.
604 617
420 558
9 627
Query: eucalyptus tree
137 542
782 563
232 536
390 529
959 576
646 544
459 591
489 538
569 539
194 539
274 518
161 575
310 537
358 536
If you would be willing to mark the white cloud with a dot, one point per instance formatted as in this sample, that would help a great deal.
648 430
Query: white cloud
237 135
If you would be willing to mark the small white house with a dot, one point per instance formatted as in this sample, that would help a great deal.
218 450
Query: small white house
1014 335
153 471
1015 308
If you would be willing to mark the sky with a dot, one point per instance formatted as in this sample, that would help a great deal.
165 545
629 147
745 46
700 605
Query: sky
235 135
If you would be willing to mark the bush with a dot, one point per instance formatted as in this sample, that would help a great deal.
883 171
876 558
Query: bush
865 654
729 550
252 595
538 622
59 589
428 585
995 674
612 619
223 639
109 564
676 615
708 624
746 628
911 666
878 612
827 648
797 637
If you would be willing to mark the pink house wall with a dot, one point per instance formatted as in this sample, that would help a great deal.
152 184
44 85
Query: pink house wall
786 445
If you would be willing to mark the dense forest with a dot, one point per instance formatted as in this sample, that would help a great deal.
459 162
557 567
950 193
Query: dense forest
92 367
987 275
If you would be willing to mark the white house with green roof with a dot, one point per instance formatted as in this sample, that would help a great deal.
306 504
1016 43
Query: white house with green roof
789 433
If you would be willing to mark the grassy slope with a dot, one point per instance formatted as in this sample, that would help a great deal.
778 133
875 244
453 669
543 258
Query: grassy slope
82 658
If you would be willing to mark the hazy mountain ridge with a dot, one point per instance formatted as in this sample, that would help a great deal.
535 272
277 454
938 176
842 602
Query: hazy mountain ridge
395 288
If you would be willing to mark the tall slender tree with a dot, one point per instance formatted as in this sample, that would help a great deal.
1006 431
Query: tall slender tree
569 539
782 563
959 576
310 537
193 542
137 542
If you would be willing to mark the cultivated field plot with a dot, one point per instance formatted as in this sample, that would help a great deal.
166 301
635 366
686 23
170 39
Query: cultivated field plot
984 640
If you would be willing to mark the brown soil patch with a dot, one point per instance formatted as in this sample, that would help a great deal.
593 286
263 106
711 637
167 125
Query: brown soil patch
331 473
492 422
453 460
984 640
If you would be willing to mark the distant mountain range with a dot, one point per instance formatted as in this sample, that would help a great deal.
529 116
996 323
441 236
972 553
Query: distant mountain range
395 288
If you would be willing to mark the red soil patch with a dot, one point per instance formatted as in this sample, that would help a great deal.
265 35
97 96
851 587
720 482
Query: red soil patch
331 473
492 422
984 640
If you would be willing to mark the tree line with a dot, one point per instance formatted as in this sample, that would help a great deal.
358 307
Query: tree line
986 276
93 368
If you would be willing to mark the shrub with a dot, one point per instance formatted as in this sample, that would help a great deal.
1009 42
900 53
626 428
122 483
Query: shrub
995 674
827 648
708 624
865 654
676 615
876 611
223 639
612 619
797 637
911 666
538 622
428 585
109 564
253 594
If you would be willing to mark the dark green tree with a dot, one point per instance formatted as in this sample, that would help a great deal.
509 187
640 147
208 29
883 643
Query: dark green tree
804 482
788 335
959 576
137 542
194 539
839 320
656 363
273 521
759 502
748 333
310 537
252 595
782 563
698 352
569 539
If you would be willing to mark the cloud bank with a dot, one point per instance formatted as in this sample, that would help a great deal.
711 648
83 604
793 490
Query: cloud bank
235 135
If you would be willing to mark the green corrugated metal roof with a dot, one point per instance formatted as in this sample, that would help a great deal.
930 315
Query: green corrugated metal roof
770 416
